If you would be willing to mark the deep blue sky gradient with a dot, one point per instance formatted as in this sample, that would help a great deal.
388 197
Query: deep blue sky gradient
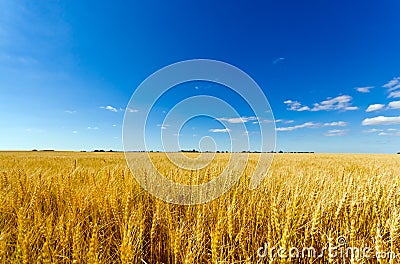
60 62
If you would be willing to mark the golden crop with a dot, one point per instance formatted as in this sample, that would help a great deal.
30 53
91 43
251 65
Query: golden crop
87 208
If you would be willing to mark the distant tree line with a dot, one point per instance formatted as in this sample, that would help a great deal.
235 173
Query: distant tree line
193 150
196 151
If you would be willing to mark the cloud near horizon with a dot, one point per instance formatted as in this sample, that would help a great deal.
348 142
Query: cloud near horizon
335 133
291 128
392 134
382 132
372 130
312 125
341 102
338 123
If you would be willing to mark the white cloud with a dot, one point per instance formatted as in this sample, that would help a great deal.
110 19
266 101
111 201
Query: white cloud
393 84
281 121
163 126
335 132
295 106
351 108
74 132
365 89
395 134
373 130
375 107
303 108
389 132
220 130
394 105
70 111
313 125
131 110
395 94
237 120
338 123
381 120
291 128
92 128
342 102
110 108
267 121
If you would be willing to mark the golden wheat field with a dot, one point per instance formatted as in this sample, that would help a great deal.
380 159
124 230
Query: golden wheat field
65 207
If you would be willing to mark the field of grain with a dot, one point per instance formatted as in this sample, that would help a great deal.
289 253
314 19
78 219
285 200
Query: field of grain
87 208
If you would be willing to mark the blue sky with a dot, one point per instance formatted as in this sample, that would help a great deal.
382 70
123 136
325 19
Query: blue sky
330 69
